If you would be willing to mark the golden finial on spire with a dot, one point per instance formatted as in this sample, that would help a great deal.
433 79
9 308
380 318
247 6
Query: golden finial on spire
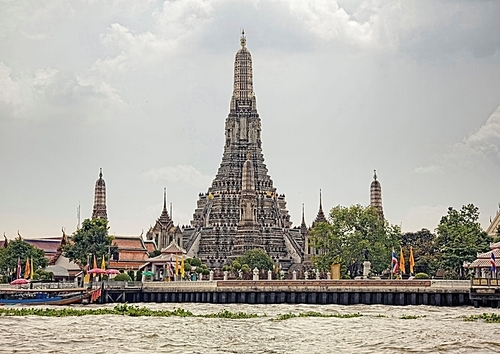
243 39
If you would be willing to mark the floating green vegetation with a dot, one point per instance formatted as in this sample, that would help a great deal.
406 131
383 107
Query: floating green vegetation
136 311
411 317
123 310
289 315
486 317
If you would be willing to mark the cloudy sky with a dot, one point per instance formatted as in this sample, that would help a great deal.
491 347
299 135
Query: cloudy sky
142 89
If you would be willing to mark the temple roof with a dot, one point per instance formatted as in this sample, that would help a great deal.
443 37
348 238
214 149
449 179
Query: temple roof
321 215
173 248
484 259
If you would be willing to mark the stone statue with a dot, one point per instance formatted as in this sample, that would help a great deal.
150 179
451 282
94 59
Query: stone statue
366 253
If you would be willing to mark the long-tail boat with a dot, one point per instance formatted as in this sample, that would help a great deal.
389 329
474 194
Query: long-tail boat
18 296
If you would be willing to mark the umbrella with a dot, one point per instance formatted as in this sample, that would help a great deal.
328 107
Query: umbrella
96 271
112 271
148 273
19 281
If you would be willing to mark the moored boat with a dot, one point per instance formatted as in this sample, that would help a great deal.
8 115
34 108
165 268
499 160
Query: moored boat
48 296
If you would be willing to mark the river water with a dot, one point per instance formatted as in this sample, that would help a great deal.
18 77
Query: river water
380 329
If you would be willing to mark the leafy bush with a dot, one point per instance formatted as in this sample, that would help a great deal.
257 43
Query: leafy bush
138 276
226 268
187 267
421 276
195 262
205 272
245 268
122 277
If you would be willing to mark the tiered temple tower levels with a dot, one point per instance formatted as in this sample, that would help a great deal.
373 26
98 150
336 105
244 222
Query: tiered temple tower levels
217 218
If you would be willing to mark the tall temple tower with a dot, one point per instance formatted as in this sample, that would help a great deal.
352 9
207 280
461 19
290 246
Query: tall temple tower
241 209
100 199
376 195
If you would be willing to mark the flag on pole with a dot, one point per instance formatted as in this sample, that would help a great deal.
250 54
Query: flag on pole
18 271
401 261
412 261
95 262
103 263
394 262
182 266
493 264
27 269
170 271
86 279
32 269
176 265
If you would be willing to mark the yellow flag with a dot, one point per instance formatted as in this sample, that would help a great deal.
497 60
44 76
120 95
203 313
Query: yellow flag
95 262
176 265
182 266
32 269
27 269
103 264
412 261
401 261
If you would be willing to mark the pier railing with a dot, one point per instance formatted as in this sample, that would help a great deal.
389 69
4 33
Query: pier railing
485 282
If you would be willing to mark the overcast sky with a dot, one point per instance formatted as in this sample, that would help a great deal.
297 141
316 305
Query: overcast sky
142 89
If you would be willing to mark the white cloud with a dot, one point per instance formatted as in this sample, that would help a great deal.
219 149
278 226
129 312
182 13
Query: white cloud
9 89
486 140
423 216
182 174
429 169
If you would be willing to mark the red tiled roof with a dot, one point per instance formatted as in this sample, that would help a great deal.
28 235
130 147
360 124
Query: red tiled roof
150 246
125 264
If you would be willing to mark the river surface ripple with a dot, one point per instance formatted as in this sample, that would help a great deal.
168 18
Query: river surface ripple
380 330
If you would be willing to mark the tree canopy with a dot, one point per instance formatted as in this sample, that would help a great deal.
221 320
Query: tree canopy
256 258
91 239
18 249
424 250
354 233
459 238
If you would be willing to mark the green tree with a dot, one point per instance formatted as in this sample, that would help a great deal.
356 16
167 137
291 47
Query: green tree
354 233
459 238
155 253
16 250
196 262
256 258
92 239
424 250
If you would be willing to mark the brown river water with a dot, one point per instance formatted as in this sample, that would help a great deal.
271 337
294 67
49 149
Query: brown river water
380 330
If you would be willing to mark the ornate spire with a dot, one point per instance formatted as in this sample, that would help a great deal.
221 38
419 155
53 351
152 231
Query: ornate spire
321 215
99 211
376 195
243 98
164 198
243 39
164 217
303 226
